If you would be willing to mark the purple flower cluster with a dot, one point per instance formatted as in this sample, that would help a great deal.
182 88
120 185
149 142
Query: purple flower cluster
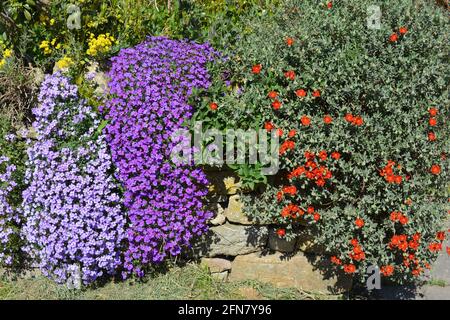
73 213
9 217
150 86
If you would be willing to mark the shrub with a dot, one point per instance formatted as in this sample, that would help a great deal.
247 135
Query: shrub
149 87
12 169
71 207
364 118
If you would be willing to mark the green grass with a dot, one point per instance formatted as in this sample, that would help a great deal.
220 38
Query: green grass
188 282
437 282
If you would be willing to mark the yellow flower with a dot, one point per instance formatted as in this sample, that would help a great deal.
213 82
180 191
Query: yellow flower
53 42
101 44
2 62
45 45
52 22
58 46
64 63
7 53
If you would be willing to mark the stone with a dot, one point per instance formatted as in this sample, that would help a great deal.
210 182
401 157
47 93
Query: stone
249 293
234 212
280 244
221 276
216 264
230 240
219 217
301 271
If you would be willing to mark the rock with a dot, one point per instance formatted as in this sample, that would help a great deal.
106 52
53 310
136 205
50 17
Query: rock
249 293
230 240
304 272
217 209
98 78
216 264
234 212
279 244
221 276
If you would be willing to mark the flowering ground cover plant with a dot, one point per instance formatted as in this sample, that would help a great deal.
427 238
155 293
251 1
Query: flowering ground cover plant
72 210
363 117
149 88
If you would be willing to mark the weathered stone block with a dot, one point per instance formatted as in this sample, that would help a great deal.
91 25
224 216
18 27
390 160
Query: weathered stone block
216 264
301 271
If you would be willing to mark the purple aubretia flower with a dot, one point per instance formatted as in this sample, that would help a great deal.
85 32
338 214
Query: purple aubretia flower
72 210
150 86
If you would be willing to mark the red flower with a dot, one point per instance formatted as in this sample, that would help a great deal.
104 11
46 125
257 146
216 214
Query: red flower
448 251
435 169
323 155
336 155
393 37
256 68
281 232
359 223
349 117
290 74
268 126
432 122
387 270
213 106
276 105
433 112
354 242
279 196
358 121
292 133
403 220
300 93
289 42
349 268
305 121
316 93
330 5
316 216
292 190
403 30
272 94
336 260
279 132
310 210
397 179
440 236
431 136
327 119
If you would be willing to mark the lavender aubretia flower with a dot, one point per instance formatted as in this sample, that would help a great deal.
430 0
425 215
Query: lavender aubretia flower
150 86
72 210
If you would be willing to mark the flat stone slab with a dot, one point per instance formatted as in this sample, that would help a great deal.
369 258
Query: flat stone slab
297 271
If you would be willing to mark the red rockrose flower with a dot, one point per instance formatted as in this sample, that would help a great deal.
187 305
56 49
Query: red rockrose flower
435 169
276 105
431 136
358 121
432 122
448 251
316 93
272 94
349 268
330 5
393 37
279 132
256 68
306 121
403 220
354 242
292 133
349 117
316 217
440 235
289 41
300 93
336 260
290 74
327 119
213 106
403 30
336 155
387 270
281 232
268 126
359 223
433 112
